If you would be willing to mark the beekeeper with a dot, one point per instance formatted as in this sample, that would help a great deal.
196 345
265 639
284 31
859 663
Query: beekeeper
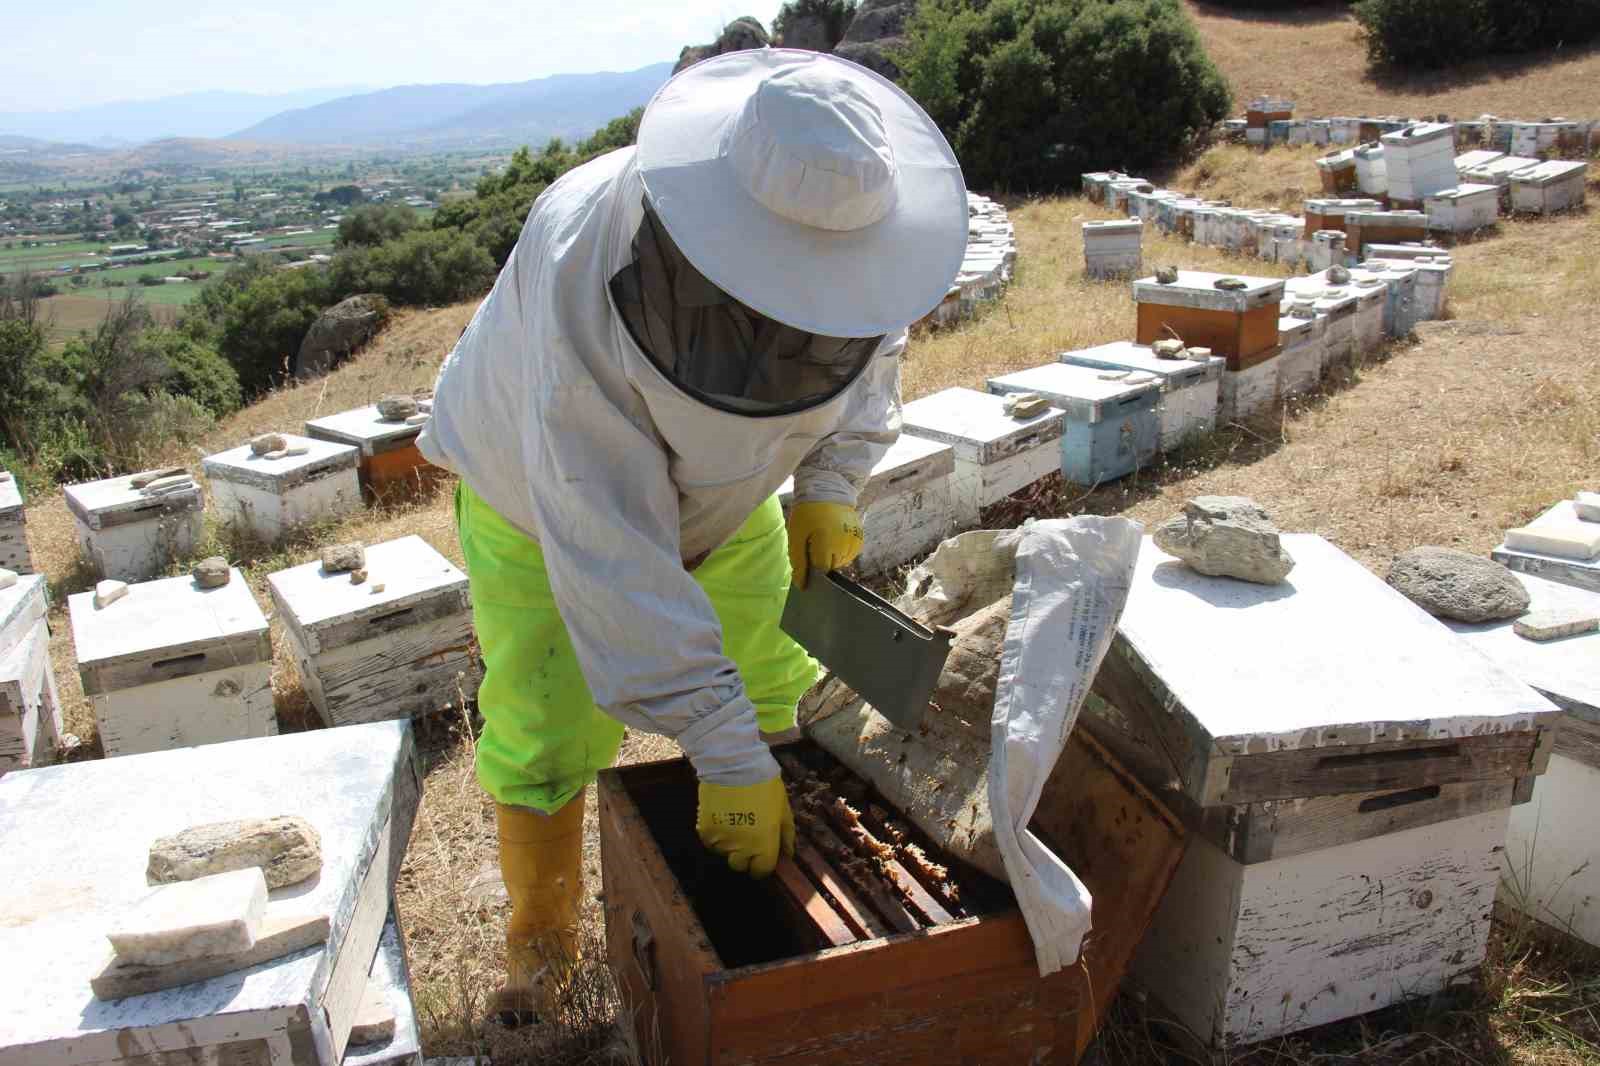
682 326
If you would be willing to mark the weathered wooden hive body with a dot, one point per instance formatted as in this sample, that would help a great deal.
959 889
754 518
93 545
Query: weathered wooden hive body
1421 161
1550 872
270 498
398 644
995 454
173 665
1400 773
1549 187
1462 208
128 535
14 553
1111 426
1112 248
1241 325
87 828
30 707
1189 387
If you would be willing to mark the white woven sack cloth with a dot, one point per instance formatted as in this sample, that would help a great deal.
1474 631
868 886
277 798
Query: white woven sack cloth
1069 582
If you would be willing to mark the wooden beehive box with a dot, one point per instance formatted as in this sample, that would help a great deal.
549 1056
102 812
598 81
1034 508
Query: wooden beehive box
907 506
30 708
21 605
1463 208
1307 781
396 645
86 829
269 498
1548 188
1421 161
1365 228
1241 326
1331 214
994 453
14 554
963 992
1338 306
1111 424
1337 172
1300 364
130 536
173 665
1111 248
1584 573
1550 871
388 462
1188 387
391 973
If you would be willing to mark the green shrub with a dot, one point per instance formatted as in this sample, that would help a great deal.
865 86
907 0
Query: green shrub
834 15
428 268
1437 33
260 327
194 370
1031 93
375 223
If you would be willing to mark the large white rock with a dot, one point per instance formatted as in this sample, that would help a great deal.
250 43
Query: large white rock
216 915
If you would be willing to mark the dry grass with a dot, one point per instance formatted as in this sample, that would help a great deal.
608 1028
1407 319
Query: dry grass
1315 56
1449 440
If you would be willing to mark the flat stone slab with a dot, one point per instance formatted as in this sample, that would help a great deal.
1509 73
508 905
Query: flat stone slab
216 915
1563 516
1565 540
1553 625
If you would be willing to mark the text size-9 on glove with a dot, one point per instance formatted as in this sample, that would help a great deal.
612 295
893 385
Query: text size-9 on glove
823 537
747 824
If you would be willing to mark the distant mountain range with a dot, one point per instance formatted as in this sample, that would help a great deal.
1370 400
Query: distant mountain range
450 116
126 123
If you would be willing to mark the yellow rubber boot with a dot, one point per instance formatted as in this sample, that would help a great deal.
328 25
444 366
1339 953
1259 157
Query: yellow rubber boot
541 862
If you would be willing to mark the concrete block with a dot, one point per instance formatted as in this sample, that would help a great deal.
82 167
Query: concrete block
216 915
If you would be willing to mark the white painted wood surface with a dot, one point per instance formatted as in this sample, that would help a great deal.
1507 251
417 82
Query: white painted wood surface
1189 388
1421 160
172 664
366 656
30 707
364 428
1244 953
269 498
907 507
14 554
392 973
1548 187
1300 362
994 454
1276 669
87 829
21 606
1196 288
1550 869
126 535
1463 208
1585 575
1250 392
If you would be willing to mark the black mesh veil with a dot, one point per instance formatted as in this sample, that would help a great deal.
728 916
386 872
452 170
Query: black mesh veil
718 350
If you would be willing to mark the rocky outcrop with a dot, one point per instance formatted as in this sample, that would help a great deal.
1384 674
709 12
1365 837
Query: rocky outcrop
742 33
1226 536
338 332
877 30
1455 584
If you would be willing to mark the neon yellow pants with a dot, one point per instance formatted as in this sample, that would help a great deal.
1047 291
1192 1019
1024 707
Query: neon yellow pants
543 738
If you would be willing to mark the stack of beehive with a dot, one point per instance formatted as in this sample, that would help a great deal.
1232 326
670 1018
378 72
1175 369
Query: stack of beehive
14 553
1112 248
1261 113
987 266
1345 843
1236 318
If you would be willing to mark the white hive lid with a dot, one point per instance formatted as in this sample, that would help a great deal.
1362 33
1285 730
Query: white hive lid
167 618
1081 391
327 611
242 466
364 428
20 606
1126 355
975 423
10 497
114 501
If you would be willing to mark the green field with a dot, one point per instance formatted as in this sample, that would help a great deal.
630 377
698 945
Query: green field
43 259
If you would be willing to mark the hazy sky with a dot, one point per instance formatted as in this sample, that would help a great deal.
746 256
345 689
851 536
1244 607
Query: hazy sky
94 51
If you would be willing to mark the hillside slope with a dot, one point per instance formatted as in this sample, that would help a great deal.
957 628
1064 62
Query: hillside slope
1314 55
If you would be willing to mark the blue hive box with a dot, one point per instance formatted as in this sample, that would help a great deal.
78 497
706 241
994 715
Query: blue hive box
1112 427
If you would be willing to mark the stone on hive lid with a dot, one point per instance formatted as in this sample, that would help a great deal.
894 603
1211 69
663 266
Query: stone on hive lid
1555 624
108 592
214 915
338 558
397 408
1226 536
268 442
1168 349
1167 275
1454 584
1587 505
1024 404
287 849
149 477
211 572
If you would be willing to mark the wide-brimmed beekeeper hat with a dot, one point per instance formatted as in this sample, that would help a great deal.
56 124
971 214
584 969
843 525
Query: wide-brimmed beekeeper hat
808 188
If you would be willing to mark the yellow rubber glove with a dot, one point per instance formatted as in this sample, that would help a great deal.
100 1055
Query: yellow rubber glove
749 824
826 536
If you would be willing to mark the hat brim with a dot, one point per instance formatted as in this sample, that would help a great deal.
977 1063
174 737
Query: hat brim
852 283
